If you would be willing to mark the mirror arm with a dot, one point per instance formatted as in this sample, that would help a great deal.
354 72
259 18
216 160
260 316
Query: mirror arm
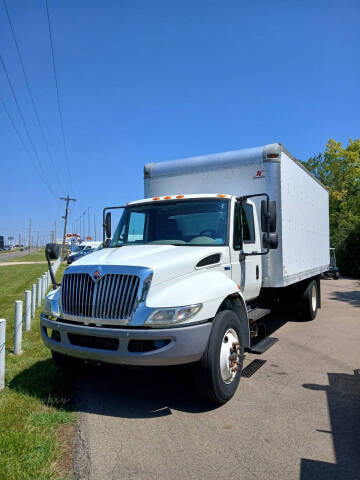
257 253
53 279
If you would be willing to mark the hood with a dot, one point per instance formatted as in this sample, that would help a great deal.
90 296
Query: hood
166 261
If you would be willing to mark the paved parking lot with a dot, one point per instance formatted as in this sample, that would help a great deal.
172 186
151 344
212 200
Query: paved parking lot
297 417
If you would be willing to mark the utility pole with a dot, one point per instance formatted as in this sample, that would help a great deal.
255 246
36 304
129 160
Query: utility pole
89 234
29 236
65 217
94 228
55 232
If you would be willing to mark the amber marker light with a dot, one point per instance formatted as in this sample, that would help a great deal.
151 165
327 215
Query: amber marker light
156 198
179 196
221 195
167 197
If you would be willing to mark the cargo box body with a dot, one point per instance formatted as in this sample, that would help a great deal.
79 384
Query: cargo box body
302 202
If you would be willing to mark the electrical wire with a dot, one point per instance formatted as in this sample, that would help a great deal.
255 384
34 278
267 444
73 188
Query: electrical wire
31 95
27 151
58 96
24 123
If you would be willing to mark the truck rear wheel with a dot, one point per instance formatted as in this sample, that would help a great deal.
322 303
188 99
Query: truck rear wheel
310 300
219 370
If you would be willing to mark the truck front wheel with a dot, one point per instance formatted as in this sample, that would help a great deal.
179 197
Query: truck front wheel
310 300
219 370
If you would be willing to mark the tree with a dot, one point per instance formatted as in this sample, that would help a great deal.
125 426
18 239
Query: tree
338 168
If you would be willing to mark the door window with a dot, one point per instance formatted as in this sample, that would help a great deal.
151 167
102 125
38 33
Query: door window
244 228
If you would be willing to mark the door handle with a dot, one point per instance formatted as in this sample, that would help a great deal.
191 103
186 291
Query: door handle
257 272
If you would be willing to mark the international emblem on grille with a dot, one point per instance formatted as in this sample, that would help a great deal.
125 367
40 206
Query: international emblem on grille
96 274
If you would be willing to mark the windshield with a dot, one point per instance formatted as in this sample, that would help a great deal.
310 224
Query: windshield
79 248
186 222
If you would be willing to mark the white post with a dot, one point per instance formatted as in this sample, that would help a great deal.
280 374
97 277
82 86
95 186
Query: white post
27 310
18 327
38 297
2 352
33 299
43 289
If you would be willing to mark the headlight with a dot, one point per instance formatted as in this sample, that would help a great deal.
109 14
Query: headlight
170 316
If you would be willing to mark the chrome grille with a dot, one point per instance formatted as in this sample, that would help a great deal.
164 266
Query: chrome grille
111 297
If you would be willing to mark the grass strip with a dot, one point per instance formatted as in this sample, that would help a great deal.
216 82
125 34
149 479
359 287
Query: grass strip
36 401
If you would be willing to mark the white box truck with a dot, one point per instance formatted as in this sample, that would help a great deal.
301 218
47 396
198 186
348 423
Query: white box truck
192 269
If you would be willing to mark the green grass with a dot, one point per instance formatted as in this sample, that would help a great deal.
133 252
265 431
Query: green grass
37 397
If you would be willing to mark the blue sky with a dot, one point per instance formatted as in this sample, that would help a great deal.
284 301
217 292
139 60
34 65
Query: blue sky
146 81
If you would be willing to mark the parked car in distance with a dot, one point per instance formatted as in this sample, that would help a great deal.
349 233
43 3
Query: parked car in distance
81 249
84 251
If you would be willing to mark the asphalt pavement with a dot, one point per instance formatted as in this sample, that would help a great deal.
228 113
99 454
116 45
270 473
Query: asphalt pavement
5 256
297 417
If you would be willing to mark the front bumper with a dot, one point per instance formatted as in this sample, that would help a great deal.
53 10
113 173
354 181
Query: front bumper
183 344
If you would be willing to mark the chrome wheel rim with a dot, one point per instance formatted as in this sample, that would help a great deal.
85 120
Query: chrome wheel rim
313 298
229 356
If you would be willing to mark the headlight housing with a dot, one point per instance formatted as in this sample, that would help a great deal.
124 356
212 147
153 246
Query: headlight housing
173 316
51 303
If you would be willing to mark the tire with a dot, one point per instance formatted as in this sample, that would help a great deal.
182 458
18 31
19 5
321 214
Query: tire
215 380
336 275
310 301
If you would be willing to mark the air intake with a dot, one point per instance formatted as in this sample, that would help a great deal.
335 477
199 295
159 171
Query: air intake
210 260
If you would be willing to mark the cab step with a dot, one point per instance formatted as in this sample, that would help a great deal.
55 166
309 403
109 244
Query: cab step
263 345
257 313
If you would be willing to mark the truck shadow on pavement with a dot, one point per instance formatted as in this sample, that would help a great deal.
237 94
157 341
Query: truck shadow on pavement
131 392
343 397
352 297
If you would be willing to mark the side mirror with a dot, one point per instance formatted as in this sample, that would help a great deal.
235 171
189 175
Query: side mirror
108 225
271 214
271 241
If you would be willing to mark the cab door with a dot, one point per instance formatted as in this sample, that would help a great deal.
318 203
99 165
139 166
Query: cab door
246 269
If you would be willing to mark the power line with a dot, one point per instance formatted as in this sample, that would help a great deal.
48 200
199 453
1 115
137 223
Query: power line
24 123
58 95
26 149
31 94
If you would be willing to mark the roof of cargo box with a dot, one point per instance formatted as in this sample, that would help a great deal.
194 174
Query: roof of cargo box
216 161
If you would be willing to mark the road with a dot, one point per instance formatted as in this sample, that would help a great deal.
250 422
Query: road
297 417
4 257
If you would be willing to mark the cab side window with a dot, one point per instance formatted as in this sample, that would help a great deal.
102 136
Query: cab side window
244 228
247 217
